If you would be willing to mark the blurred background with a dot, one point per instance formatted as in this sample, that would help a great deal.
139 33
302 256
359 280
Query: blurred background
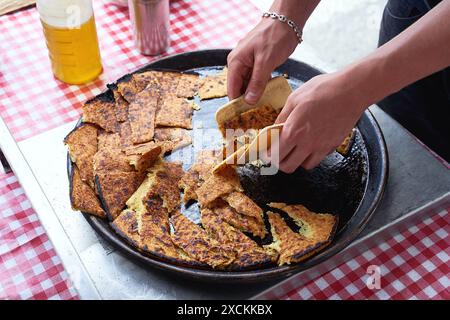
340 31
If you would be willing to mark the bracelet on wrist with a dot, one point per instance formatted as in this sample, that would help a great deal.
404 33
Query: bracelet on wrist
289 22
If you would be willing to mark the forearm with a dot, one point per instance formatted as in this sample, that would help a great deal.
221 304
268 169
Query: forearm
419 51
296 10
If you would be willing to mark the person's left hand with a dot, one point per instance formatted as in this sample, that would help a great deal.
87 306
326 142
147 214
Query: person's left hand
318 116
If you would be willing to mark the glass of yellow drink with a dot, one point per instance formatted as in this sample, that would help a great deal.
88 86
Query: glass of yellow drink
71 36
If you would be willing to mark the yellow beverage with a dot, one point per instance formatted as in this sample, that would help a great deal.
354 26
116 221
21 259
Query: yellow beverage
74 50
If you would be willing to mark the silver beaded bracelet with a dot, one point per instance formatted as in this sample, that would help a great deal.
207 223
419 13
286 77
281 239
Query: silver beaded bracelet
289 22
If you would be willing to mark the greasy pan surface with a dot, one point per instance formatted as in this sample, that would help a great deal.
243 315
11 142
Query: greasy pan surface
350 186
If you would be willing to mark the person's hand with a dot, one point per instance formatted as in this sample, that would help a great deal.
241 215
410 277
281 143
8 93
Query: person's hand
251 63
317 116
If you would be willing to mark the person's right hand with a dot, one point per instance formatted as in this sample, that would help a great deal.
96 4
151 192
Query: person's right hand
251 63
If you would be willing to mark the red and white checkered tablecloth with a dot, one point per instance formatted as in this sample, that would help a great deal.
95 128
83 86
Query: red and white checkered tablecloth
29 266
413 265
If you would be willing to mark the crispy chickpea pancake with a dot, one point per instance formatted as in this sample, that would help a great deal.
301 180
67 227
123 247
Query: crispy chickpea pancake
248 253
198 244
275 96
82 144
252 225
218 185
344 148
190 182
130 86
257 118
127 227
121 108
188 85
112 197
174 112
125 134
111 159
101 111
172 139
292 247
143 156
214 86
319 228
108 140
83 197
243 204
141 114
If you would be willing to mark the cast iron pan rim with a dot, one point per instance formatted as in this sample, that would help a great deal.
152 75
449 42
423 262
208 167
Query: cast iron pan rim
272 272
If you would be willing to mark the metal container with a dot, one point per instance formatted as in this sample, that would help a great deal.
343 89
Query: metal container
150 19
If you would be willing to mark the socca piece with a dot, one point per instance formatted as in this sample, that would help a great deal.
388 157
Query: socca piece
115 188
292 246
83 197
218 185
131 85
243 204
154 230
127 227
143 156
248 253
101 111
174 112
82 144
190 182
319 228
121 106
172 139
188 85
125 134
344 148
198 245
257 118
244 223
214 86
108 140
111 159
141 115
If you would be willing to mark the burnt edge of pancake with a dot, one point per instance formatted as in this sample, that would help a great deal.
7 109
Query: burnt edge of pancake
105 207
135 246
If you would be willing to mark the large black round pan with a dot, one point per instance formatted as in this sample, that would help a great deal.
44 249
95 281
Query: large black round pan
350 186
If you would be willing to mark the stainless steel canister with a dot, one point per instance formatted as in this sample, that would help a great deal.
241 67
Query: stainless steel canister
150 19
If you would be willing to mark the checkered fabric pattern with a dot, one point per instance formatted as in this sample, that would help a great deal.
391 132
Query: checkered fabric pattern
33 101
29 266
415 264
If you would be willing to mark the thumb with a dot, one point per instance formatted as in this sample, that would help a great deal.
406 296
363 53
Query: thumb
260 76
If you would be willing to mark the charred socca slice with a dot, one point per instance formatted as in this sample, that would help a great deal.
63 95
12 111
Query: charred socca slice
244 205
143 156
248 253
254 226
121 106
198 244
291 246
115 188
83 197
188 85
174 112
141 115
257 118
214 86
127 227
172 139
319 228
218 185
101 111
82 144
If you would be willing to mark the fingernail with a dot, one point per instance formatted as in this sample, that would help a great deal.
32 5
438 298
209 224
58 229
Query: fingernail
251 97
